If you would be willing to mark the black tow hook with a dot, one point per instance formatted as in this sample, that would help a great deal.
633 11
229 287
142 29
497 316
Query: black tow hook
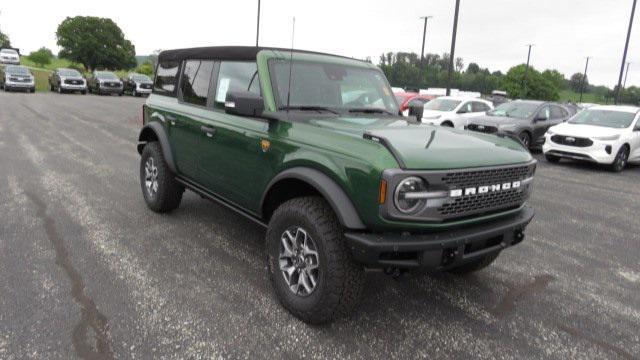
518 237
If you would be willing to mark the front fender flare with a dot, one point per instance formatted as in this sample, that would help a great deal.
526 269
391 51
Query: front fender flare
153 131
330 190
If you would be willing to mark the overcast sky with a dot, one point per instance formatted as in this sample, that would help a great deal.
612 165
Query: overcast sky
492 33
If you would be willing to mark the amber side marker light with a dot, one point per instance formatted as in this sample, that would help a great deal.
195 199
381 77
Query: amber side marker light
382 194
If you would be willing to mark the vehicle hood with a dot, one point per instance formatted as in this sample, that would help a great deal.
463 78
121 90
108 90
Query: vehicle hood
584 131
421 146
496 120
72 77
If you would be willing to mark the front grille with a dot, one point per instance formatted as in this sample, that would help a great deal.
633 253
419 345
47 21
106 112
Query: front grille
571 141
73 82
482 128
20 79
487 202
111 84
145 86
461 179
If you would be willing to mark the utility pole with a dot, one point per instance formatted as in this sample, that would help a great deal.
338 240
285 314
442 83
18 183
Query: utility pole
526 69
624 55
258 25
584 79
424 37
624 84
453 47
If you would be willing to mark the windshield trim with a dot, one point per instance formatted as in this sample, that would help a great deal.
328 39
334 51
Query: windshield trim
276 95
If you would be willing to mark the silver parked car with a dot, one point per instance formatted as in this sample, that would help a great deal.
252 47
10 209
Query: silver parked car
9 57
14 77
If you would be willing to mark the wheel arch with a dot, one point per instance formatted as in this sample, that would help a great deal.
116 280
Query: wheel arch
304 181
155 132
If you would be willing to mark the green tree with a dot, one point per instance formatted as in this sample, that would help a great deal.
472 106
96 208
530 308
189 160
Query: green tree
557 78
576 82
535 86
96 43
4 41
41 57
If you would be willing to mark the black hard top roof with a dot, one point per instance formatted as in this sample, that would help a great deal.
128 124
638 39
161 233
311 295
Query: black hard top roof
241 53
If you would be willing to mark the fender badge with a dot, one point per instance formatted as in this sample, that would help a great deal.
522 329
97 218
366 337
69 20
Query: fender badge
265 145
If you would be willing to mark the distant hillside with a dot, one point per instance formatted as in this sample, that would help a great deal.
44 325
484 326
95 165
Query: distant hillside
141 59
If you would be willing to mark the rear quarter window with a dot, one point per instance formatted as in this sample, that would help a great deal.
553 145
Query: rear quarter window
166 78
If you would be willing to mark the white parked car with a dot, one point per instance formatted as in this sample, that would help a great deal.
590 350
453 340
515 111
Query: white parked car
453 111
9 57
601 134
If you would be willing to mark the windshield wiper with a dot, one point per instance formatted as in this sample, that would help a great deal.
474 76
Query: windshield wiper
308 108
370 111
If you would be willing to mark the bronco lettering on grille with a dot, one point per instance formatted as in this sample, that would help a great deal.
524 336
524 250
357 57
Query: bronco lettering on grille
484 189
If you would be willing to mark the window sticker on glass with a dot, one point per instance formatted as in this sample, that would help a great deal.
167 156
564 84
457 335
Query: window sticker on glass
223 87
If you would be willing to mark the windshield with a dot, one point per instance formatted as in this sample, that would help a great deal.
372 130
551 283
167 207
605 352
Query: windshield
17 70
333 86
605 118
69 72
517 110
442 104
140 78
9 51
106 75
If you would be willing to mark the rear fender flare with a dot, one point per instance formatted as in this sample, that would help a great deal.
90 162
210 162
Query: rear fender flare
154 131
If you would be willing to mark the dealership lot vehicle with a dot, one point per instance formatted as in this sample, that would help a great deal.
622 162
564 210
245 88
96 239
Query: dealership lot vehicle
409 100
17 78
192 284
9 57
67 80
452 111
602 134
525 119
105 83
341 182
137 84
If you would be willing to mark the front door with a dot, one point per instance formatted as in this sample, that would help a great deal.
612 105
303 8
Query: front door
541 122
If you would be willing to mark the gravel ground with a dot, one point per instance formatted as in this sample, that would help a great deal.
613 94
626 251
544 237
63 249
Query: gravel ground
87 271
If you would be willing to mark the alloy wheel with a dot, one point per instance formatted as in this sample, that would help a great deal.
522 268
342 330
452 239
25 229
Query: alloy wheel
151 177
299 261
621 160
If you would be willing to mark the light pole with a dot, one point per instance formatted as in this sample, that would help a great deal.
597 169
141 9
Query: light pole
624 55
453 47
424 37
526 69
258 25
584 79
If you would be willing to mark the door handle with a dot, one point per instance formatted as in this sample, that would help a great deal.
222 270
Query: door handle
208 130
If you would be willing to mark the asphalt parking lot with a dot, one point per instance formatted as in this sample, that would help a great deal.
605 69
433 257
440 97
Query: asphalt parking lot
87 271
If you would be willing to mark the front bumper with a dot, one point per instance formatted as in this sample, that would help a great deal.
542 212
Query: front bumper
596 153
140 90
19 85
440 250
9 62
109 90
73 87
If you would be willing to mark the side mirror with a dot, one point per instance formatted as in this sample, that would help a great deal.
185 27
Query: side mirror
416 110
243 103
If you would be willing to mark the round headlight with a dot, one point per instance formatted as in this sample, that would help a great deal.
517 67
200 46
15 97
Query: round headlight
403 200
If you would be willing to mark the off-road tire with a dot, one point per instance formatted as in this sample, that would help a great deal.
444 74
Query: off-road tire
621 160
340 280
169 193
475 265
552 158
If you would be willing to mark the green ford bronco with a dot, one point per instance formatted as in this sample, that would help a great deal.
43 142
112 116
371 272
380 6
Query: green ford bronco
311 146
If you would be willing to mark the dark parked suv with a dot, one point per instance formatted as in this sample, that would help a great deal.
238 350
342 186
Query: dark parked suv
137 84
311 147
527 120
105 82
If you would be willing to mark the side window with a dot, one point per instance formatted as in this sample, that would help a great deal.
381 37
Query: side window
166 78
236 76
466 108
557 112
196 79
480 107
544 113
